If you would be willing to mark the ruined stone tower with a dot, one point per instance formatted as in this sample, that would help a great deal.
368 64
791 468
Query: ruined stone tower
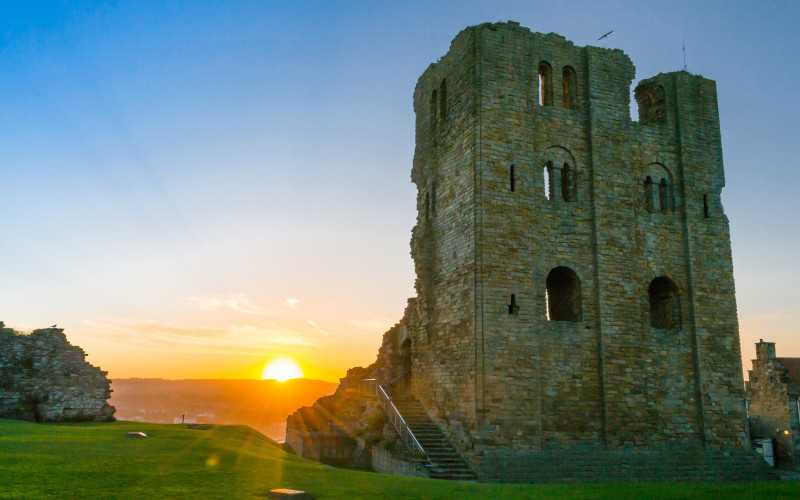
575 316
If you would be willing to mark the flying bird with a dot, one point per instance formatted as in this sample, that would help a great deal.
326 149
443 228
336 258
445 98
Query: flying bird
605 35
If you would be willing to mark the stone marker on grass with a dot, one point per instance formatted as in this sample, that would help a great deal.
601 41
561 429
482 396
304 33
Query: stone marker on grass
281 493
137 435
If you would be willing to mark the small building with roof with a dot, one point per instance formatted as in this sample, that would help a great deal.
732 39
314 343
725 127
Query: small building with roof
773 397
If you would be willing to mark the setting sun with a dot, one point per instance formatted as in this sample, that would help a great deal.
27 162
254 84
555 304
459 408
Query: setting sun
281 369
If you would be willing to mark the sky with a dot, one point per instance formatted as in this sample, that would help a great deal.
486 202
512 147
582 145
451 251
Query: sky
191 189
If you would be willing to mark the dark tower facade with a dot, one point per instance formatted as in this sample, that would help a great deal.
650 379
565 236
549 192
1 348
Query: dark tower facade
575 315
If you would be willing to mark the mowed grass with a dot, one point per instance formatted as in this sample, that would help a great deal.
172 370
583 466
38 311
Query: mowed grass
97 461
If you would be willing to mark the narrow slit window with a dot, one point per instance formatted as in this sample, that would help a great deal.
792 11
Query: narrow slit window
565 184
545 84
547 305
443 100
706 208
663 200
434 107
648 194
433 199
511 178
540 89
548 180
570 92
427 205
513 308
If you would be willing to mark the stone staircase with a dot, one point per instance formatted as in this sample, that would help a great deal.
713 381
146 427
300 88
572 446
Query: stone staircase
446 462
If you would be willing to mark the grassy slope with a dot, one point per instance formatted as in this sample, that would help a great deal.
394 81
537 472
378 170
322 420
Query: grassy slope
98 461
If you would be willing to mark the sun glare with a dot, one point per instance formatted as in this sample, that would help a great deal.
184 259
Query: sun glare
282 369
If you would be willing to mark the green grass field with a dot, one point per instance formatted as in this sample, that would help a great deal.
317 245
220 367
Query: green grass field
97 461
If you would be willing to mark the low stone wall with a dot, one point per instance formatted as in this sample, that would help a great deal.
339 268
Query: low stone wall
581 465
44 378
384 462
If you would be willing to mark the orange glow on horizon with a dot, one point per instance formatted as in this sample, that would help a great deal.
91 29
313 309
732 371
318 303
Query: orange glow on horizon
282 369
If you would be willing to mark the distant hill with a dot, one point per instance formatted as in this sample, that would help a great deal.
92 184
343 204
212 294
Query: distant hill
261 404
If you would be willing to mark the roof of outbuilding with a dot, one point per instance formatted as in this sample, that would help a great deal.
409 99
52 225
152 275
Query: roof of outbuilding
792 366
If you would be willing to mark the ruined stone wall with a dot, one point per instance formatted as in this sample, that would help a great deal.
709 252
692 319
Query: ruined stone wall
44 378
647 353
773 406
442 321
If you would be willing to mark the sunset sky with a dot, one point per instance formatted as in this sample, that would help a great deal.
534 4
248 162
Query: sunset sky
191 189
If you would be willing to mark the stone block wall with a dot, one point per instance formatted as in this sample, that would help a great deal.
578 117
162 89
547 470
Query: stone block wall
534 168
44 378
386 462
658 465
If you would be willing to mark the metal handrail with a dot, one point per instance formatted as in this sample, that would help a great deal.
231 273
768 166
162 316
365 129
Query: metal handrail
398 378
400 425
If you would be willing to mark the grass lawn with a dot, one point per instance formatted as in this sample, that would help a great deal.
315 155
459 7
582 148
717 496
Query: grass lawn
93 460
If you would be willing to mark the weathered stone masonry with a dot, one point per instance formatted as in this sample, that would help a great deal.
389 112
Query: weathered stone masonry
574 267
575 317
45 378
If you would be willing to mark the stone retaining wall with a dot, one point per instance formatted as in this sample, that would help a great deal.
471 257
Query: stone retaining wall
582 465
384 462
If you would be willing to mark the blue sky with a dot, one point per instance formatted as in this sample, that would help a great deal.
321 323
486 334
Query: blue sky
206 185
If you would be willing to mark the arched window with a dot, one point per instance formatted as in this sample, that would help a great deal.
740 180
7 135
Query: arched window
563 297
566 184
570 88
663 198
443 100
658 192
548 180
665 304
545 84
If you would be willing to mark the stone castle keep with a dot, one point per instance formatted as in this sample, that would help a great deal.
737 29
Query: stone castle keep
575 317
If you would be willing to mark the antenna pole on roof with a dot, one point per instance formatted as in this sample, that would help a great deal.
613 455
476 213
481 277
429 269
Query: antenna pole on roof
683 42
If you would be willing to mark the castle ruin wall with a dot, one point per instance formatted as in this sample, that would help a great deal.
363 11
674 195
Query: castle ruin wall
44 378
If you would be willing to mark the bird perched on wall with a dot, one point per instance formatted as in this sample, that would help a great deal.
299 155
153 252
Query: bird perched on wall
605 35
54 326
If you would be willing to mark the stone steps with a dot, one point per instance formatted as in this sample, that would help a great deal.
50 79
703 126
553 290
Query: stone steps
446 462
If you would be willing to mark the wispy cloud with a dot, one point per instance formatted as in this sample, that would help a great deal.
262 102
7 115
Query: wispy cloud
235 302
231 339
768 317
291 303
317 328
373 325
